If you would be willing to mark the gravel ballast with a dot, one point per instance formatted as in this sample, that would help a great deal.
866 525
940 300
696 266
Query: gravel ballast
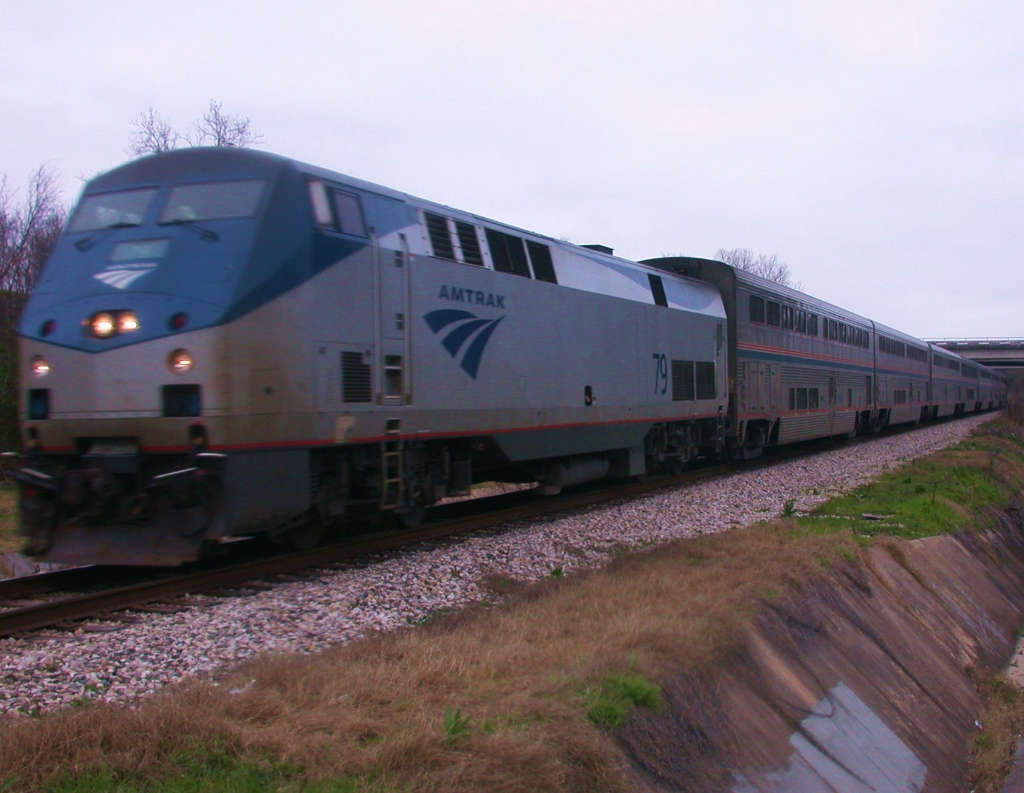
43 674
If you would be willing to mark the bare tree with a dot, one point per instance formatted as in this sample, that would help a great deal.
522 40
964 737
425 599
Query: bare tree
151 133
764 265
29 229
217 128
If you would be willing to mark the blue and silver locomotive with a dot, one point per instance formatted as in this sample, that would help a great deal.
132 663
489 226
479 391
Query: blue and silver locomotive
226 342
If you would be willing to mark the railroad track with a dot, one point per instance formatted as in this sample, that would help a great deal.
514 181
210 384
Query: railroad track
167 591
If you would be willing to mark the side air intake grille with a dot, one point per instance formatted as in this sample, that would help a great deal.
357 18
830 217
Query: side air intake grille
356 385
706 380
682 381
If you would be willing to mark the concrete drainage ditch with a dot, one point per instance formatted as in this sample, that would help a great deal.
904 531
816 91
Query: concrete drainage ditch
863 684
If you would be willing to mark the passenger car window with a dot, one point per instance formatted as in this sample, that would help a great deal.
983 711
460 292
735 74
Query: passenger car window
126 208
773 313
212 201
756 309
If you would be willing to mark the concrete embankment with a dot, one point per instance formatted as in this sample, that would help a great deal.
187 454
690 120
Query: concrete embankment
865 682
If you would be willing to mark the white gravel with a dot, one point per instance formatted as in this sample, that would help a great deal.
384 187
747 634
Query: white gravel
42 674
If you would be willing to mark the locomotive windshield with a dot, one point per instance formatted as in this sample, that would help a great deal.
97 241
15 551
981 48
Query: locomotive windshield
126 208
212 201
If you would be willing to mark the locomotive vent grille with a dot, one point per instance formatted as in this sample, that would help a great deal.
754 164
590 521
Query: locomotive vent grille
543 266
682 381
440 239
706 380
356 378
470 244
693 380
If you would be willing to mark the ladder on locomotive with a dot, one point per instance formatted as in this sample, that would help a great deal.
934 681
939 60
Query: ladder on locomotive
391 474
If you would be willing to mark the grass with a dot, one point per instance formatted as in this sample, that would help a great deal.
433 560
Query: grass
9 539
945 492
609 702
1001 721
210 771
523 696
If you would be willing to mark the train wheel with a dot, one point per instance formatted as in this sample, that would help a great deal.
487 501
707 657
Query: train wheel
412 518
306 533
39 512
753 444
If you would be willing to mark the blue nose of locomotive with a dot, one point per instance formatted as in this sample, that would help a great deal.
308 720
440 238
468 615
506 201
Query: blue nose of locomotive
160 245
135 286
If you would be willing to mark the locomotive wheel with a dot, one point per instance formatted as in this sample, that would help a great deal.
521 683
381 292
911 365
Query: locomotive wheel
192 508
41 514
412 518
306 533
753 444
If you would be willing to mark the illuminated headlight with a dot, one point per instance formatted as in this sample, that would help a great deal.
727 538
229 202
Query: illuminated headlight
179 361
102 325
40 368
127 322
106 324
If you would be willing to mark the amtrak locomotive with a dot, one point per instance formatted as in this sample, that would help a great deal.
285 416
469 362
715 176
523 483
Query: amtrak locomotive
226 342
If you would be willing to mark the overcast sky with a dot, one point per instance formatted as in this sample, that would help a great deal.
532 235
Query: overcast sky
875 146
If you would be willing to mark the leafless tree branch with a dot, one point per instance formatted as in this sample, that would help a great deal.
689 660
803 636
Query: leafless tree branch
217 128
151 133
29 229
764 265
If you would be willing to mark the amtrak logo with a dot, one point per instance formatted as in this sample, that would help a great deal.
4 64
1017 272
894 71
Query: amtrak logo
123 276
466 326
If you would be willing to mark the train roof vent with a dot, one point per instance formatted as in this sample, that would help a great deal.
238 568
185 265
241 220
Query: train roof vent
469 242
600 248
508 253
440 237
540 257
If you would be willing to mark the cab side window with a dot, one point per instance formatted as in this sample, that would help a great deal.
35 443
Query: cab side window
336 210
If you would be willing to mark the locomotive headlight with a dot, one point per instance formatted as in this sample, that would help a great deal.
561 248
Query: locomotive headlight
179 361
40 368
102 324
127 322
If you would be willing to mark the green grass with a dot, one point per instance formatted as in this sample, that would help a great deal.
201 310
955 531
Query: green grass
456 726
213 772
611 701
929 497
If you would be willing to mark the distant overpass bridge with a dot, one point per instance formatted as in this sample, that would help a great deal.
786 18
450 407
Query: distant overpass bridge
999 353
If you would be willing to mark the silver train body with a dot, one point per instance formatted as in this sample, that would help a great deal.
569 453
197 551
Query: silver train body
227 343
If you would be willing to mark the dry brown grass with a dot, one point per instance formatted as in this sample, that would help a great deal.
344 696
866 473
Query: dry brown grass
9 539
1002 719
518 672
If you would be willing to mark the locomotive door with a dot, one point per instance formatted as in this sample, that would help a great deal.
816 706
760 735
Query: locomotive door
832 400
391 273
755 388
